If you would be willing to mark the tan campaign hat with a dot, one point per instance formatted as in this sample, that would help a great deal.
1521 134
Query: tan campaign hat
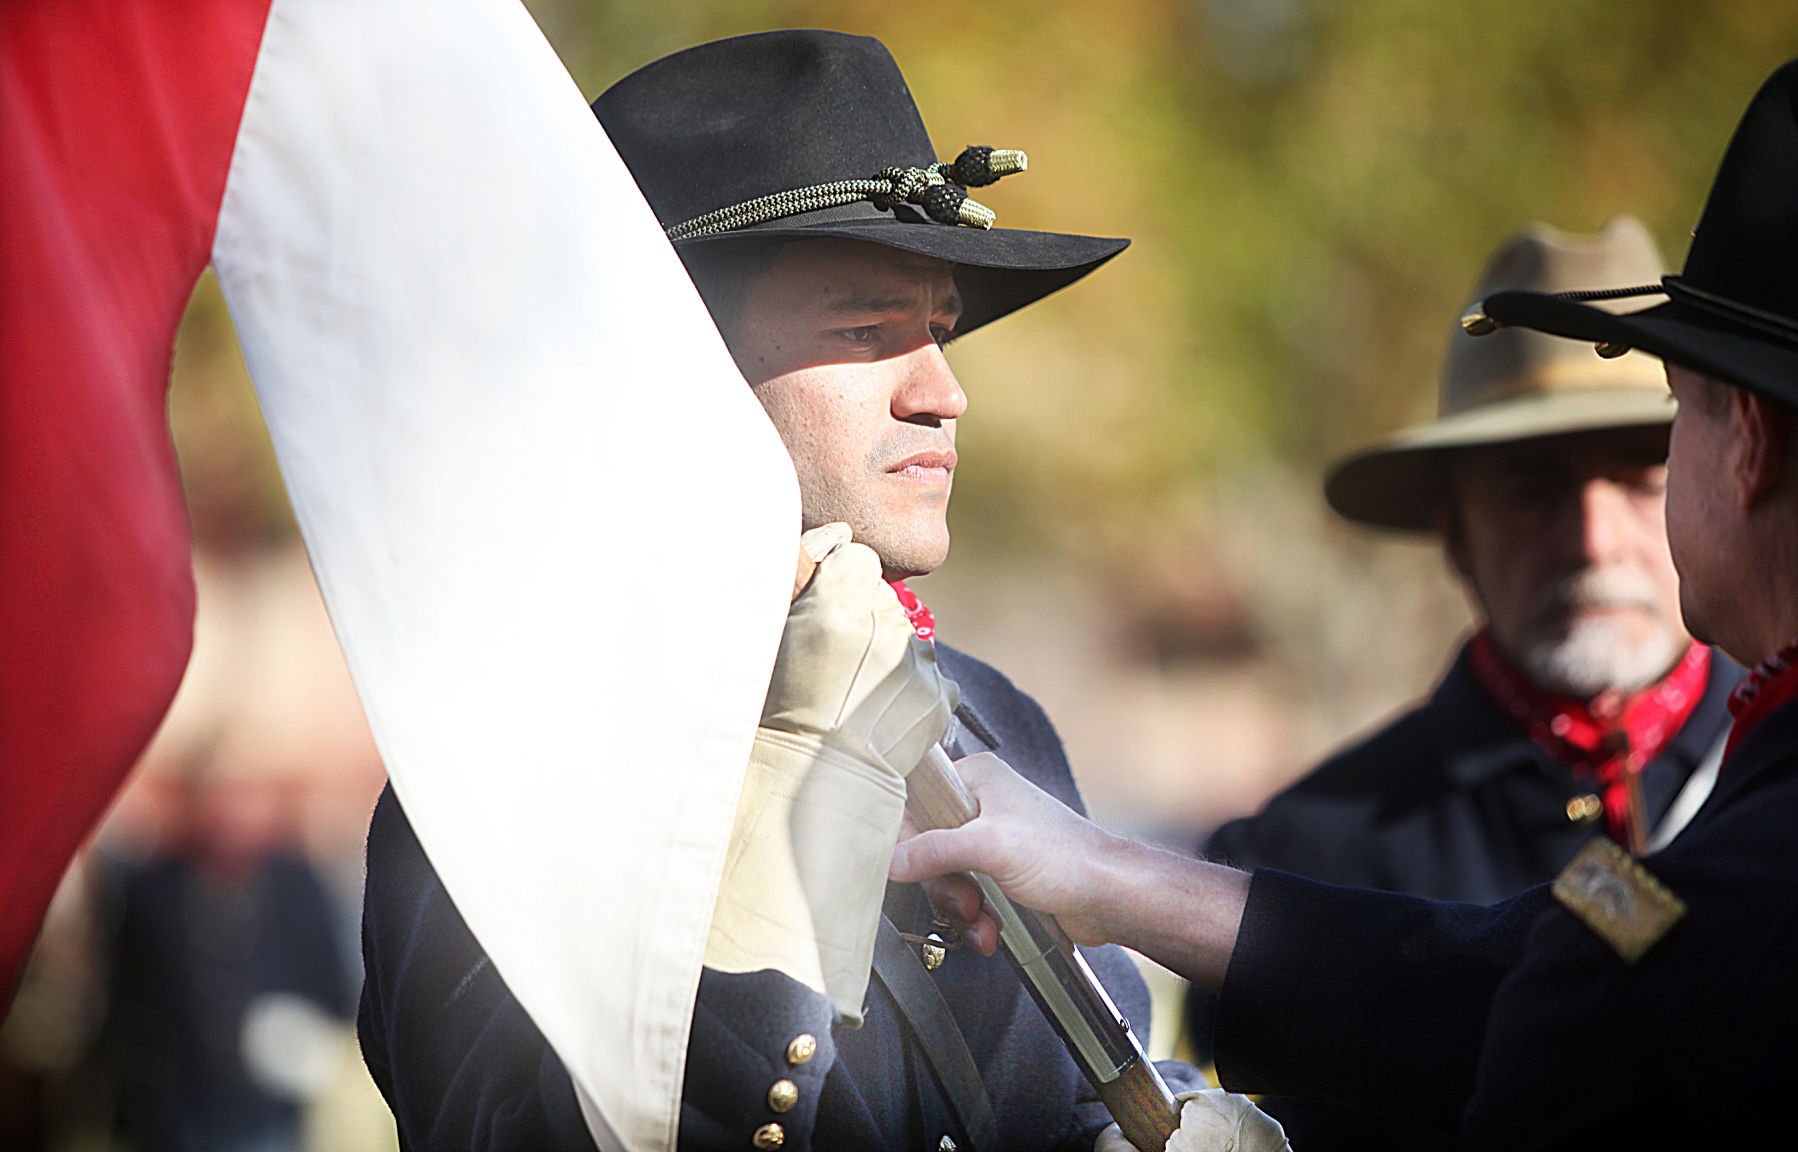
1515 384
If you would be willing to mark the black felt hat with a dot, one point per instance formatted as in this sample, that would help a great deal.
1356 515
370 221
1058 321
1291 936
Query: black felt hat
1733 312
810 133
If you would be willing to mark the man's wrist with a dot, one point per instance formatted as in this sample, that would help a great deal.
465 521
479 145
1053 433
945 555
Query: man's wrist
1121 878
1180 912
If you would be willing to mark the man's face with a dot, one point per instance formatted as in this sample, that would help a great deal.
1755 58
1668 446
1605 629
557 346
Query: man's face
1696 507
842 342
1563 543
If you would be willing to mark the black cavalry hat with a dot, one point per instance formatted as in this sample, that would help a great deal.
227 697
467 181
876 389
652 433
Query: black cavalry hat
809 133
1733 312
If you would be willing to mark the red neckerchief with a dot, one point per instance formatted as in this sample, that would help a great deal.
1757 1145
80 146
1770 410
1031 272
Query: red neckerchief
920 616
1772 683
1607 739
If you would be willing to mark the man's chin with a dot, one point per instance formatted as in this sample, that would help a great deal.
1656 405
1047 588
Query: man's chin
909 541
902 560
908 567
1603 652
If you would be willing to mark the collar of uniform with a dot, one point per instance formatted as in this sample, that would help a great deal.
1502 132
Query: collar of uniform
1486 743
1710 720
1773 741
969 732
967 721
1493 745
1772 685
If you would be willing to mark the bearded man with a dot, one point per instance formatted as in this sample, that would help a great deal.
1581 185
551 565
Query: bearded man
1580 706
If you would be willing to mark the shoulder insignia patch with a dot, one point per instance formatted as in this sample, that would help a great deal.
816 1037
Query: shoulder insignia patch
1618 899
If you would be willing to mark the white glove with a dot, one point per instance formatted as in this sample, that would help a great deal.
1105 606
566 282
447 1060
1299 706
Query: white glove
1212 1120
855 701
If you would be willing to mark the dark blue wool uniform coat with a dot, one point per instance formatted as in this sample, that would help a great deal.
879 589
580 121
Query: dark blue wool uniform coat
462 1065
1523 1025
1452 801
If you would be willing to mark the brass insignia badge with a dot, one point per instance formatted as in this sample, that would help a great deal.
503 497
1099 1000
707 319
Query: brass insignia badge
1618 899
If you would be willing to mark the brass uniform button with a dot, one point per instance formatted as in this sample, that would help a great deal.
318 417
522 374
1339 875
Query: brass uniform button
933 952
783 1095
1584 809
945 1144
769 1136
803 1048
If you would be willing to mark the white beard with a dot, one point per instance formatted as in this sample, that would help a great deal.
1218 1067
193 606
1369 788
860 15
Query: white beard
1598 654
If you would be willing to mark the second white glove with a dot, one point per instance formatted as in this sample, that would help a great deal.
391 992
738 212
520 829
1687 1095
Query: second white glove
1212 1120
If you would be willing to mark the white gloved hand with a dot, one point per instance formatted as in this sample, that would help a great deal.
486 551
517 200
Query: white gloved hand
855 701
1212 1120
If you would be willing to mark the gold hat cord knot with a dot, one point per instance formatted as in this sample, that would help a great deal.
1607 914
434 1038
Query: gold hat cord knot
1475 321
941 190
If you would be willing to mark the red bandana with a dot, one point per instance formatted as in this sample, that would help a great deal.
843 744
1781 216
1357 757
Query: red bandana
915 610
1772 683
1607 739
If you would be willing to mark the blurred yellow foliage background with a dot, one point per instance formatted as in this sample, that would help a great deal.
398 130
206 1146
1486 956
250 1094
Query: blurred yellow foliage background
1312 186
1140 538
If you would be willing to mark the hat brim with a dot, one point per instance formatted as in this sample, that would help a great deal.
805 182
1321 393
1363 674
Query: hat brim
998 270
1673 331
1397 482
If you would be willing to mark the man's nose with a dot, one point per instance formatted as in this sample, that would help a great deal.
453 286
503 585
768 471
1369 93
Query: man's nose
1601 518
929 389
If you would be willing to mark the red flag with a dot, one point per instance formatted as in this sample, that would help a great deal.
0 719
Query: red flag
517 450
115 140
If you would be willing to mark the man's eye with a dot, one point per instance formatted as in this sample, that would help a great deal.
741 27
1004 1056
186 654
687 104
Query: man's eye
864 335
1533 492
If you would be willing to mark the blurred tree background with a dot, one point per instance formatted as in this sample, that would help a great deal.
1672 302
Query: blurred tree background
1312 186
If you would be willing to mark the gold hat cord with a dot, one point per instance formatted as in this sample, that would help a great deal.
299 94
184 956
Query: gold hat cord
941 190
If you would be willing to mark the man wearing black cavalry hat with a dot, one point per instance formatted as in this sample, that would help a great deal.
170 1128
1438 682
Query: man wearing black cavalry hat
1629 1004
838 255
1580 707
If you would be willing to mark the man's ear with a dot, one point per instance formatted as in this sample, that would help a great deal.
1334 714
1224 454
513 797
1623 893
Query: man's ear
1761 447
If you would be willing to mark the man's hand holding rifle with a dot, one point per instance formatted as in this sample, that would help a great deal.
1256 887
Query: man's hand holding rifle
857 701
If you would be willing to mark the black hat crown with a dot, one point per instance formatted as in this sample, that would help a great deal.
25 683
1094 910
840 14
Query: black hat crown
815 134
1746 245
739 119
1732 313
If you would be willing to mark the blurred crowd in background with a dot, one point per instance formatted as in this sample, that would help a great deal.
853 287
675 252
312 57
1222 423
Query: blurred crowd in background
1139 534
